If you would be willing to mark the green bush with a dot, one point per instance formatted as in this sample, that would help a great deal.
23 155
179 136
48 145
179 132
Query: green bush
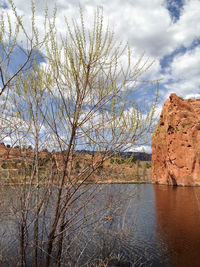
9 165
148 164
112 161
100 166
77 164
4 166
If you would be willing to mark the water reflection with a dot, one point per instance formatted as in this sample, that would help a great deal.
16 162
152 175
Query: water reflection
122 225
178 223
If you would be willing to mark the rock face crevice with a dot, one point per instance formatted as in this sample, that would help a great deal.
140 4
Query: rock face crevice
176 143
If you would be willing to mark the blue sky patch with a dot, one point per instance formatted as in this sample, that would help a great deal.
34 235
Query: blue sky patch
174 7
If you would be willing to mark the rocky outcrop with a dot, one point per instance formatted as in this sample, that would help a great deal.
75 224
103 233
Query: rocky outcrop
176 143
14 154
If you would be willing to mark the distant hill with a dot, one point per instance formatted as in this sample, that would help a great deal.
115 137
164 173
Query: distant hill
137 155
12 154
143 156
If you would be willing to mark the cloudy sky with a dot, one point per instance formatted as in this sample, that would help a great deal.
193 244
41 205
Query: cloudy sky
165 30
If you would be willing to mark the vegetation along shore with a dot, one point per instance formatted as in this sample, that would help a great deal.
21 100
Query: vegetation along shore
16 165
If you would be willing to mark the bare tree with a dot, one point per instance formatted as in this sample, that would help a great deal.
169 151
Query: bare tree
15 39
92 107
29 100
83 98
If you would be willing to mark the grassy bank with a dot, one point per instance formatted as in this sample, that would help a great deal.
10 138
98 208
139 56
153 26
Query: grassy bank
113 170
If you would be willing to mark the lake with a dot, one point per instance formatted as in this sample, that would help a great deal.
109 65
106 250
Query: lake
131 225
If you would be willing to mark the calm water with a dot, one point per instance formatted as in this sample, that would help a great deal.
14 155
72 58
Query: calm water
147 225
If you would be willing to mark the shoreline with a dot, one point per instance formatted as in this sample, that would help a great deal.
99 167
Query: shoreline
89 183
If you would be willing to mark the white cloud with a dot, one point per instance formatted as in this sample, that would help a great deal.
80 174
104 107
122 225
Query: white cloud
185 66
192 96
187 28
146 149
146 24
143 23
158 111
149 28
184 73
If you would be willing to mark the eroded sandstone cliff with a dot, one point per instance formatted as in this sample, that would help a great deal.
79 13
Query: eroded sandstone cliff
176 143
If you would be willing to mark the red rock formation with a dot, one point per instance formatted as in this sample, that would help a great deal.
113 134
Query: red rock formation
14 153
3 152
176 143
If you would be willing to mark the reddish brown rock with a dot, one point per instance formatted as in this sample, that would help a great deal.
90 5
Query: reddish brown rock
176 143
